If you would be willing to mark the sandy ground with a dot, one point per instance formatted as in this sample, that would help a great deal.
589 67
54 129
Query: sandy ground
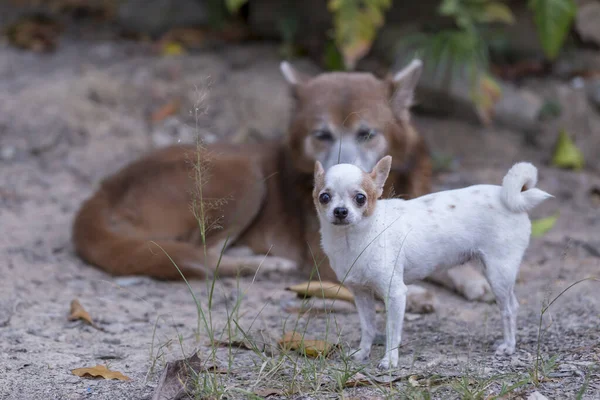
71 117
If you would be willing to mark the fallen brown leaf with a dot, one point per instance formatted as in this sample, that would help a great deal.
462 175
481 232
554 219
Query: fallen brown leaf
233 343
322 289
37 32
175 382
359 379
311 348
78 312
268 392
165 111
100 371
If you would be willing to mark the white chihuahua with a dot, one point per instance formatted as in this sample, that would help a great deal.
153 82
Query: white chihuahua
380 246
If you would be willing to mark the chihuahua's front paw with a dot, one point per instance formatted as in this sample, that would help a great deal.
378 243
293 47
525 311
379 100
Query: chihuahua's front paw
360 355
505 349
385 364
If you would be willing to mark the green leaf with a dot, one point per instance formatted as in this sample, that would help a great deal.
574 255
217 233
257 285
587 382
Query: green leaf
333 58
355 24
553 19
566 154
497 12
539 227
234 5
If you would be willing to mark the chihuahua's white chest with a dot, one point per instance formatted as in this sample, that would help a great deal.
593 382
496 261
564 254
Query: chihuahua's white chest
356 254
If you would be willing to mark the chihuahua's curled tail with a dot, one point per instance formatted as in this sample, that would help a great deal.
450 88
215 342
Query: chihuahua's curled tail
518 188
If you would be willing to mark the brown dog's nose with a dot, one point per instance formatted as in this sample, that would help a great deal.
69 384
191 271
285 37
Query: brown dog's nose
340 212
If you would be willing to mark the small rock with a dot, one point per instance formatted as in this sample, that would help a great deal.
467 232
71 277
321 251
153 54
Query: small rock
158 16
586 22
173 131
518 108
131 280
7 153
536 396
593 93
411 316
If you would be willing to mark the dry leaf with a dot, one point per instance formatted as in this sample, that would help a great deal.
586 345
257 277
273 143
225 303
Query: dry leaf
233 343
78 312
172 49
171 108
100 371
487 94
268 392
36 32
323 289
413 381
311 348
359 379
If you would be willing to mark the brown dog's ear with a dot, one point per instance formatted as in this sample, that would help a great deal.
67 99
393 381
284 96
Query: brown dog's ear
404 84
319 175
380 173
293 77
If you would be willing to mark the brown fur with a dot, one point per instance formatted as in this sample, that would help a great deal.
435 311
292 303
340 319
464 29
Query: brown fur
266 191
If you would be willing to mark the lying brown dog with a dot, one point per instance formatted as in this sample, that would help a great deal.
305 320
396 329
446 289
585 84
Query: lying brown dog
251 204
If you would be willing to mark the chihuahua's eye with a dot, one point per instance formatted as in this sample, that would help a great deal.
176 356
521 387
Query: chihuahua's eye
324 198
364 135
360 199
323 135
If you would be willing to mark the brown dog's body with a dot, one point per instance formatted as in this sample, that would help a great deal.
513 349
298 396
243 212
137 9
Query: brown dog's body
257 198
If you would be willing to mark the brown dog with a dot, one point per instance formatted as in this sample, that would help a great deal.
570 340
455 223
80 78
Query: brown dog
251 205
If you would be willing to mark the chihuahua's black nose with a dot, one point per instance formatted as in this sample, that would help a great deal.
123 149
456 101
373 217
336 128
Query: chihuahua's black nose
340 212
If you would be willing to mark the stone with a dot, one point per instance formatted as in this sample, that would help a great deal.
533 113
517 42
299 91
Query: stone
586 22
593 93
536 396
154 17
518 108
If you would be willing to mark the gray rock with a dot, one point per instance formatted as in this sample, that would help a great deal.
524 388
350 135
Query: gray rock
518 108
536 396
593 93
157 16
574 62
586 22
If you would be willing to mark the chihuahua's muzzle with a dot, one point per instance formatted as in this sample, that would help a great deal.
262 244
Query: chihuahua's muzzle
340 216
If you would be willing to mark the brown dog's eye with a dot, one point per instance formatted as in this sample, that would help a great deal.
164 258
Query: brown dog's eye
323 135
365 134
324 198
360 199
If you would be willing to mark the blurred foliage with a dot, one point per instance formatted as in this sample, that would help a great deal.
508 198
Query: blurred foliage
464 49
233 6
566 153
553 19
540 227
355 25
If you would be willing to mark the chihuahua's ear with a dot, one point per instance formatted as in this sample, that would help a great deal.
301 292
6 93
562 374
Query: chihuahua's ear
319 175
404 84
293 77
380 173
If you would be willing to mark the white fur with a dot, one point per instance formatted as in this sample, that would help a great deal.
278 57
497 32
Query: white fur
405 241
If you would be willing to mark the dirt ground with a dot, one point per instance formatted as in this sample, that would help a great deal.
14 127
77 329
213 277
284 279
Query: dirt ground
70 117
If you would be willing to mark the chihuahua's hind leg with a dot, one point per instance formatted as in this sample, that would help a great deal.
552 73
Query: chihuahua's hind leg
502 274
